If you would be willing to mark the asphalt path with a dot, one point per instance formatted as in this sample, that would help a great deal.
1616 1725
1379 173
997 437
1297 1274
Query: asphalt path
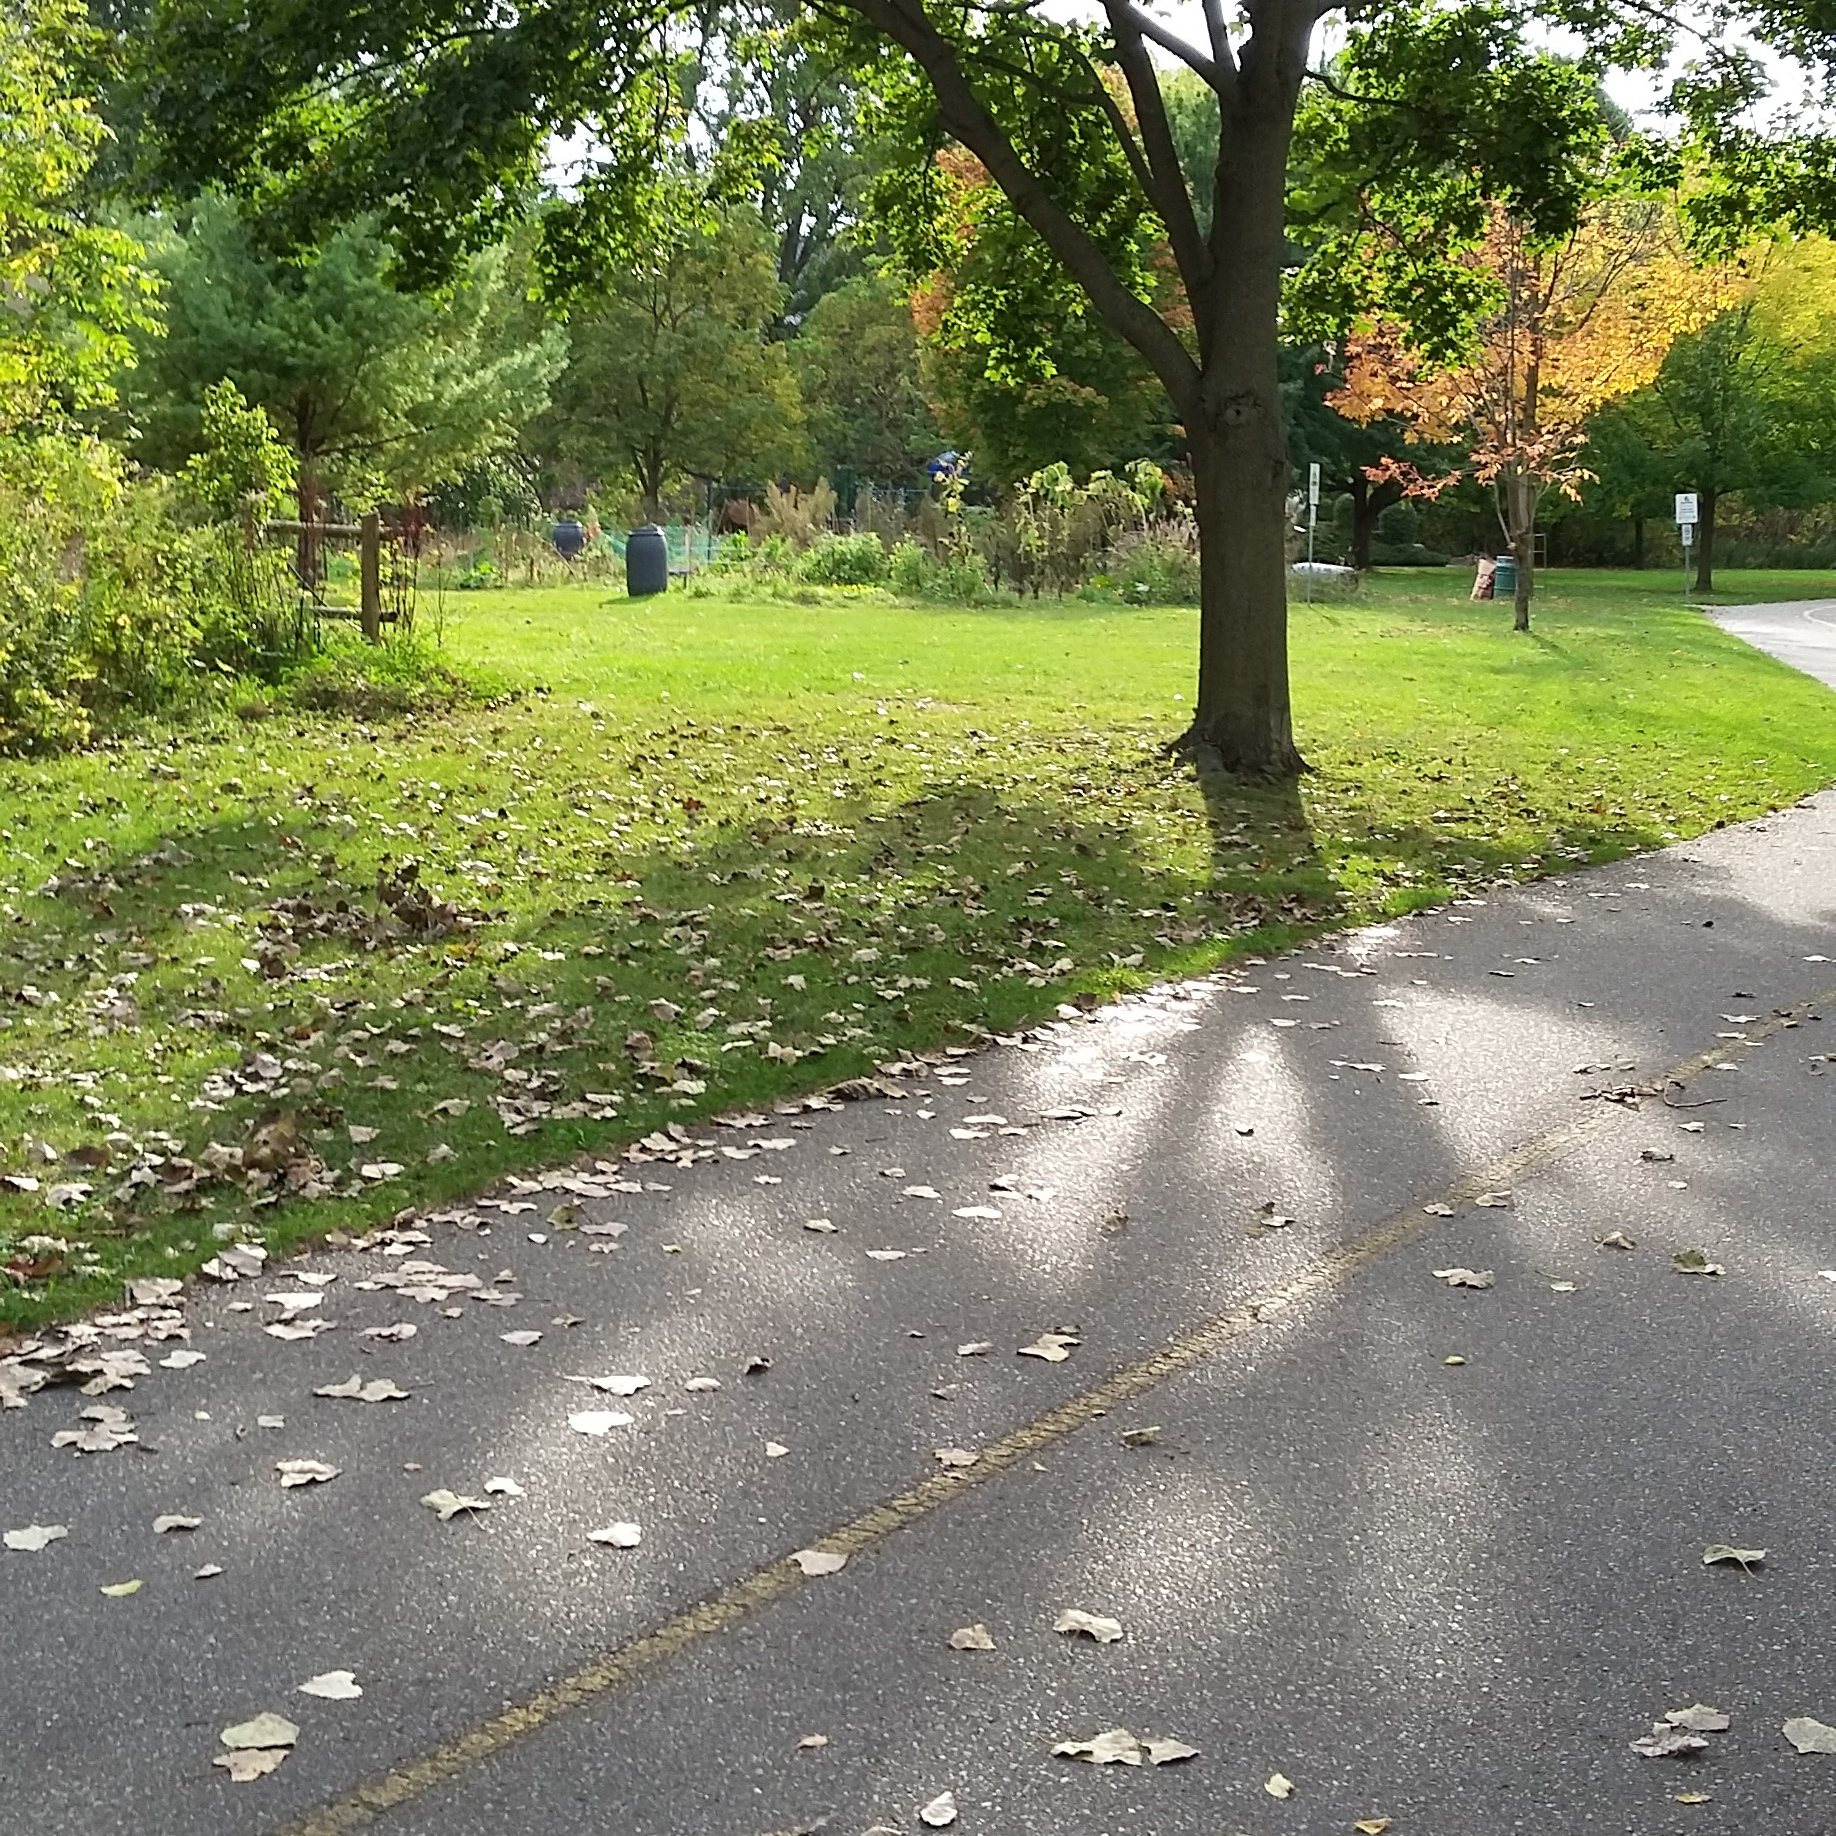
1799 632
1446 1594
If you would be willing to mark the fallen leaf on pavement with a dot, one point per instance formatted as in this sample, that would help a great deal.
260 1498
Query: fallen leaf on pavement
1691 1797
34 1536
119 1590
810 1742
1667 1742
1438 1210
820 1225
1494 1201
181 1360
954 1456
1724 1552
207 1572
1699 1718
1615 1239
1278 1785
1810 1735
971 1638
975 1348
615 1385
1465 1278
1165 1752
819 1561
507 1488
173 1521
265 1730
940 1813
599 1421
1694 1262
378 1389
305 1472
1371 1826
450 1504
249 1763
1073 1619
1114 1747
620 1536
522 1338
333 1686
1053 1347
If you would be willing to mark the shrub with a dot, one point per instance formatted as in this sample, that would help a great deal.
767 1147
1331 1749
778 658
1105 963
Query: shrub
1157 566
908 569
845 560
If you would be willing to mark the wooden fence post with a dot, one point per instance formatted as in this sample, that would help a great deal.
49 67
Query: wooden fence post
371 559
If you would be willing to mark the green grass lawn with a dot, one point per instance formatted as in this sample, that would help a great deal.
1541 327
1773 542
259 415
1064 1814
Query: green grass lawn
718 853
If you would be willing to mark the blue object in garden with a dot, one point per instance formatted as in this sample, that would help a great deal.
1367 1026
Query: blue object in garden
569 537
646 561
1504 581
949 465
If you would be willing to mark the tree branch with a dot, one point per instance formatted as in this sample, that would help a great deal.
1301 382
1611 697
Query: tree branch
1165 184
1214 70
968 119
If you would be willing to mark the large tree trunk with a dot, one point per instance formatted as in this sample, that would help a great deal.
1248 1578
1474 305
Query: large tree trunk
1241 718
1705 543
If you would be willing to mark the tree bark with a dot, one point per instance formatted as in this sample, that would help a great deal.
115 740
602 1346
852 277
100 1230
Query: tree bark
1705 543
1368 505
1517 494
1638 541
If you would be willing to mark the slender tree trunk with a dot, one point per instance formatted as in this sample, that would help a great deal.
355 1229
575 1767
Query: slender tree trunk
1638 541
1368 506
1517 495
1705 543
306 547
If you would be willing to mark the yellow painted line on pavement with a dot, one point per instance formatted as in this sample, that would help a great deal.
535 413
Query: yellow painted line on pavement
363 1805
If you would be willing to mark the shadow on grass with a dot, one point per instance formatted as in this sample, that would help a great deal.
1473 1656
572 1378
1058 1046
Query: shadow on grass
742 960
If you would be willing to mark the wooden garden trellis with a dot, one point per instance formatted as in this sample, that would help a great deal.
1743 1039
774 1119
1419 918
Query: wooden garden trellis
369 533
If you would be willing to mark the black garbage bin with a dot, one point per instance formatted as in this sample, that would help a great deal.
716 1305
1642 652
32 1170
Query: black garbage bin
646 561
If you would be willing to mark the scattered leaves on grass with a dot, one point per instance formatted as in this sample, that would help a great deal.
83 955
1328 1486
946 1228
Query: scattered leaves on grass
819 1561
1726 1552
940 1813
449 1504
1465 1278
1053 1347
1694 1262
174 1521
333 1686
34 1536
1091 1625
1810 1735
119 1590
305 1472
971 1638
378 1389
619 1536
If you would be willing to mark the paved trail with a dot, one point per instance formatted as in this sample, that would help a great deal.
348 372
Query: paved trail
1799 632
1449 1594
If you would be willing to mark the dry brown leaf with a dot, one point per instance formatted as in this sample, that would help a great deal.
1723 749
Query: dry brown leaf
1053 1347
246 1763
819 1561
1091 1625
971 1638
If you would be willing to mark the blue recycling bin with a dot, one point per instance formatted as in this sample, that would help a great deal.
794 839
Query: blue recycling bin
569 537
646 562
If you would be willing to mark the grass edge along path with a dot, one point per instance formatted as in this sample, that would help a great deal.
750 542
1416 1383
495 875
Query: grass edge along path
304 976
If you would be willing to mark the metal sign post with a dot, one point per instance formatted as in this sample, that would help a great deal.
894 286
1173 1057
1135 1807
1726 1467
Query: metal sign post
1686 530
1313 517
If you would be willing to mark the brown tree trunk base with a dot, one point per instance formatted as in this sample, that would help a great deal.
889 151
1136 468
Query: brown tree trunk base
1206 748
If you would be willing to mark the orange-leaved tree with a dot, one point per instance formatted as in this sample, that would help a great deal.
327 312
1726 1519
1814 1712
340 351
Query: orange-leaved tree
1577 323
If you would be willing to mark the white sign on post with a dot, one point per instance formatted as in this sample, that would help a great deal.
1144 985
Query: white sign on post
1688 533
1313 485
1686 509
